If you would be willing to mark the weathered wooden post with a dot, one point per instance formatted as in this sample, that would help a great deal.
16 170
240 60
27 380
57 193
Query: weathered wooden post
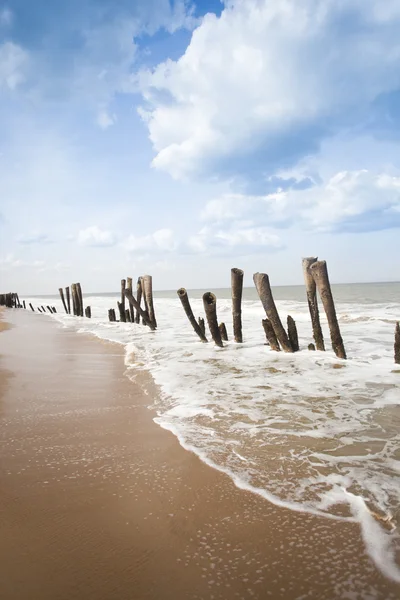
147 282
18 302
49 309
145 317
88 312
110 315
74 299
139 292
311 347
128 315
320 274
311 290
39 309
183 297
80 299
32 309
270 335
223 332
292 334
202 326
54 309
23 302
122 315
131 310
237 290
210 308
123 287
62 299
397 344
43 308
261 281
68 300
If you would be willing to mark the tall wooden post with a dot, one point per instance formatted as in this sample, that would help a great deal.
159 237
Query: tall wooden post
123 287
68 300
237 290
139 292
131 309
210 308
270 335
80 299
223 332
397 344
311 290
23 302
74 299
320 274
32 309
122 314
62 299
292 334
183 297
147 282
145 317
261 281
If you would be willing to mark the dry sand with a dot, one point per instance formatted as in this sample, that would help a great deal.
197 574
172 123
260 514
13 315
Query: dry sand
99 503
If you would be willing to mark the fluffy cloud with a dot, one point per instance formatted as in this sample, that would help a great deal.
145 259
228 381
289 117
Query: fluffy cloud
162 240
34 238
13 64
11 262
349 200
242 238
273 77
94 236
6 17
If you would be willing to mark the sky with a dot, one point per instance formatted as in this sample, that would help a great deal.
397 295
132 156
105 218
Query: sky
182 138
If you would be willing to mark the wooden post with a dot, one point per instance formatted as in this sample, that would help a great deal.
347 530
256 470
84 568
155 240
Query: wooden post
139 293
122 315
292 334
68 300
128 315
88 312
183 297
43 308
74 299
397 344
123 286
62 299
23 302
210 308
237 290
261 281
147 282
311 290
49 309
80 299
311 347
130 288
110 315
270 335
32 309
202 326
39 309
320 274
54 309
223 332
145 317
18 302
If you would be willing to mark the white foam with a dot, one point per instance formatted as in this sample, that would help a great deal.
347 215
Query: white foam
306 431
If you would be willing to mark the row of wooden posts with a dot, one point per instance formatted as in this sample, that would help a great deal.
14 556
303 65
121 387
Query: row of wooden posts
315 277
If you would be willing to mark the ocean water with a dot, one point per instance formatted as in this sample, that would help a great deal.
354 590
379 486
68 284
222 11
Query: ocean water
307 431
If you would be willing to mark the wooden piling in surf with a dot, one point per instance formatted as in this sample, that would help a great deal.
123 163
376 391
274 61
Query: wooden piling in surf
311 347
237 291
223 332
147 282
183 297
261 281
60 290
270 335
50 309
32 309
397 344
145 317
23 302
202 326
111 315
139 293
39 309
320 274
128 315
68 299
122 315
311 291
43 308
292 334
123 287
210 308
88 312
80 299
54 309
131 309
74 299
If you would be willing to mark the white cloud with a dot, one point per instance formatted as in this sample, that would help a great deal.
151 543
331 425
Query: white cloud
242 238
346 198
13 64
11 262
105 119
94 236
161 240
34 238
6 17
264 69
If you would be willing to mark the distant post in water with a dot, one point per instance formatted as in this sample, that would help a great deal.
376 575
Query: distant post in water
320 274
88 312
311 290
210 308
131 309
139 292
122 315
68 300
261 281
202 326
62 299
292 334
147 282
32 309
74 299
80 299
223 331
397 344
183 297
23 302
237 290
270 335
123 286
127 316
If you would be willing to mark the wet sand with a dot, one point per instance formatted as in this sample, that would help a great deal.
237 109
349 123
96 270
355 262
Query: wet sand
99 503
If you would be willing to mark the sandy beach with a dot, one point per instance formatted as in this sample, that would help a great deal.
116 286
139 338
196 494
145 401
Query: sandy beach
98 502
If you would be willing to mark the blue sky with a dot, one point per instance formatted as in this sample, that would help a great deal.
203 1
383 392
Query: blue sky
183 138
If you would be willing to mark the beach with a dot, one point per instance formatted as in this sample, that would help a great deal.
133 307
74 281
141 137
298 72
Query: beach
99 502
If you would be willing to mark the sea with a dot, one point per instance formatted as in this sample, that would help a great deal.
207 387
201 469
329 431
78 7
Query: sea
307 431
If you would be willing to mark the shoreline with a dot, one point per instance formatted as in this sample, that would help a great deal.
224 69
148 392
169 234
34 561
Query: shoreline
101 502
